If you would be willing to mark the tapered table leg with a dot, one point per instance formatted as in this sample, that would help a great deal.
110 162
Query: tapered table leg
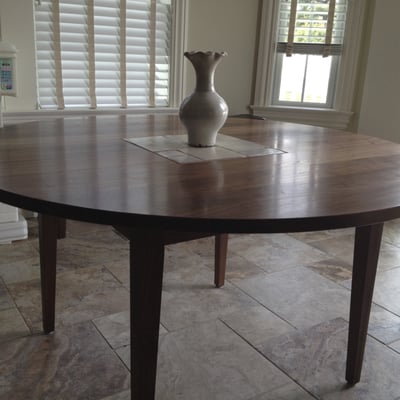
48 233
146 266
221 249
366 252
62 228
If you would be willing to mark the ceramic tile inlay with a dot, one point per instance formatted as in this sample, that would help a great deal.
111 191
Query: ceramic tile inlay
176 148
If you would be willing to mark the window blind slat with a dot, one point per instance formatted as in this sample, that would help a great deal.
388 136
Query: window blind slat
122 64
54 9
152 47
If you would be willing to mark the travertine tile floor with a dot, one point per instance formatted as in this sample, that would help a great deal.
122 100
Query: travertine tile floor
276 331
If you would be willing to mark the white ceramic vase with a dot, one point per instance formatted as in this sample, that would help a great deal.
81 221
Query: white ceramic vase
204 111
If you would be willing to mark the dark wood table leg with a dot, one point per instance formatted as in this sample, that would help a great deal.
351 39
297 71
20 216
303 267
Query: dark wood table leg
62 228
146 266
221 249
48 233
366 252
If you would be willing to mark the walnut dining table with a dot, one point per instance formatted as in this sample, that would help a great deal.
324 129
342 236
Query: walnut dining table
315 179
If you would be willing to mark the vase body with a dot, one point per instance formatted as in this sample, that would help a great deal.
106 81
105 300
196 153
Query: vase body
204 111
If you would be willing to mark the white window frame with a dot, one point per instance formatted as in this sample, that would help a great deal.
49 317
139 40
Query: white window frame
176 82
340 114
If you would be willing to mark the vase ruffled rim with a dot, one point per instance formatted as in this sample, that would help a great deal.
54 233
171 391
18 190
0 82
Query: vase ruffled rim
205 53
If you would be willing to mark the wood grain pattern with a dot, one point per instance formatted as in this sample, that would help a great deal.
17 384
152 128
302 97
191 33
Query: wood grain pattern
81 168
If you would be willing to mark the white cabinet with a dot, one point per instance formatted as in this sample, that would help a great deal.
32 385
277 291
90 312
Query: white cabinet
12 224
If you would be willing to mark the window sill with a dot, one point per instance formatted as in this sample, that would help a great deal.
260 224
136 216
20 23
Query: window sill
328 118
38 115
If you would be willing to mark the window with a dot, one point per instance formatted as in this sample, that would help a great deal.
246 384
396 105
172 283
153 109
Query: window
305 80
104 53
307 62
310 38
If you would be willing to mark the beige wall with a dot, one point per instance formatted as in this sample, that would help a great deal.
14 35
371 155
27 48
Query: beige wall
380 106
226 25
17 28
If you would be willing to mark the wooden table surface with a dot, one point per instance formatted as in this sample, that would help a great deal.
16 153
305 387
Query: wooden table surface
80 168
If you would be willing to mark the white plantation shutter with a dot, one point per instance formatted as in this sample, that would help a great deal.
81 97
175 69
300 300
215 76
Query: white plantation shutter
103 53
109 46
46 56
311 26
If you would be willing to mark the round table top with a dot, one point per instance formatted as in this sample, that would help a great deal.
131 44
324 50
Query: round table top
80 168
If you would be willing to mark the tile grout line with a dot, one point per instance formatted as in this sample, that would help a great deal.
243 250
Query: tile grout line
264 356
109 345
31 332
262 305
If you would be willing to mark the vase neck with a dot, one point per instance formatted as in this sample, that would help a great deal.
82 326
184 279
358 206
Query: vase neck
204 63
205 79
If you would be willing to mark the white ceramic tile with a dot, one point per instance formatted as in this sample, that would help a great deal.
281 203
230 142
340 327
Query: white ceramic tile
175 147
